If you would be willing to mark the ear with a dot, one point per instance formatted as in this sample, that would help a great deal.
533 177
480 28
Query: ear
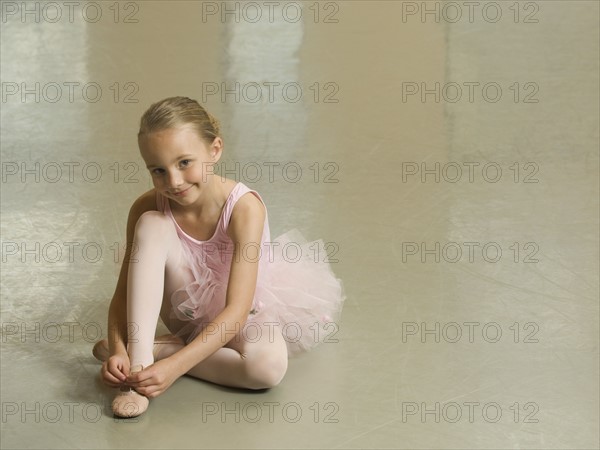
216 149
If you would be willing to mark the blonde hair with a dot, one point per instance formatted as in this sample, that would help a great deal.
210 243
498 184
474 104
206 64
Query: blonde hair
174 112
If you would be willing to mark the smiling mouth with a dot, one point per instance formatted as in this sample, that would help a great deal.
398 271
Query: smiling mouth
181 192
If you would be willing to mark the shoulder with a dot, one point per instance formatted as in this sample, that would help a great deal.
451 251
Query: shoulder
247 218
145 202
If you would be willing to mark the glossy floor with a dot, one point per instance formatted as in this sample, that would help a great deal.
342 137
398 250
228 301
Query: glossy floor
448 154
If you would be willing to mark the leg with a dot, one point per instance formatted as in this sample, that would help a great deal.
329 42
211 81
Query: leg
159 256
158 252
256 358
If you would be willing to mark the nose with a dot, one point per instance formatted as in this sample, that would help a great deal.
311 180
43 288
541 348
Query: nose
175 179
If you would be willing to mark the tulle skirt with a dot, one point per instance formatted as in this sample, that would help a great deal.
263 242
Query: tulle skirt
296 290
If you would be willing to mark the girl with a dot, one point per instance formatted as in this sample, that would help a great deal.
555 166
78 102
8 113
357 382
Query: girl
199 256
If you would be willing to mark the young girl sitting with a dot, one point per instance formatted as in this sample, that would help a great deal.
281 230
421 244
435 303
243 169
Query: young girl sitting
200 256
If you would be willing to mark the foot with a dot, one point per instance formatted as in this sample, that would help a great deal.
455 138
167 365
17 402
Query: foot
128 402
101 353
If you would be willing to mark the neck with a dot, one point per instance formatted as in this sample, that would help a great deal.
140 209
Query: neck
210 200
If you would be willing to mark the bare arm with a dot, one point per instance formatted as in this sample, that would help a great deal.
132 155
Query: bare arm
245 230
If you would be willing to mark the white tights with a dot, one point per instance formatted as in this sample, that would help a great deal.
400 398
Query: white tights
156 270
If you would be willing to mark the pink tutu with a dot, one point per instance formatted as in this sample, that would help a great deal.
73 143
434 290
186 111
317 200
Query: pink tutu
301 292
296 288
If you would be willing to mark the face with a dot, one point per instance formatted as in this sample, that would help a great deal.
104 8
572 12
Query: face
180 163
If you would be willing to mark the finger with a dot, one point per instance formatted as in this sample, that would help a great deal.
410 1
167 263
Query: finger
142 390
140 377
110 383
123 365
109 379
150 391
116 372
151 381
154 394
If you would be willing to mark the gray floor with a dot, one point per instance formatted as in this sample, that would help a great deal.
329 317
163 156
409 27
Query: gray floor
465 229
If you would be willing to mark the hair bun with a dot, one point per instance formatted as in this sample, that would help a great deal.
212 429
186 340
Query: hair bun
215 123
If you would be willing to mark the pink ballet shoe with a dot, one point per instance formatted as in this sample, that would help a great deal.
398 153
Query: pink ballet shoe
101 353
128 402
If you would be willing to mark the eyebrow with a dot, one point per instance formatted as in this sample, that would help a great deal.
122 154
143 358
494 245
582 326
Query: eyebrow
152 166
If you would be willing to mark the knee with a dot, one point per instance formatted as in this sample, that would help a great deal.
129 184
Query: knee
267 369
152 224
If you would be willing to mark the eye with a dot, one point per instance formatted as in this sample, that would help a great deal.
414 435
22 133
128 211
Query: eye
157 171
185 162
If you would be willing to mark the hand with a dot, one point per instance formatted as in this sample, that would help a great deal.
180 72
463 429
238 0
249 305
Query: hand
115 370
155 379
